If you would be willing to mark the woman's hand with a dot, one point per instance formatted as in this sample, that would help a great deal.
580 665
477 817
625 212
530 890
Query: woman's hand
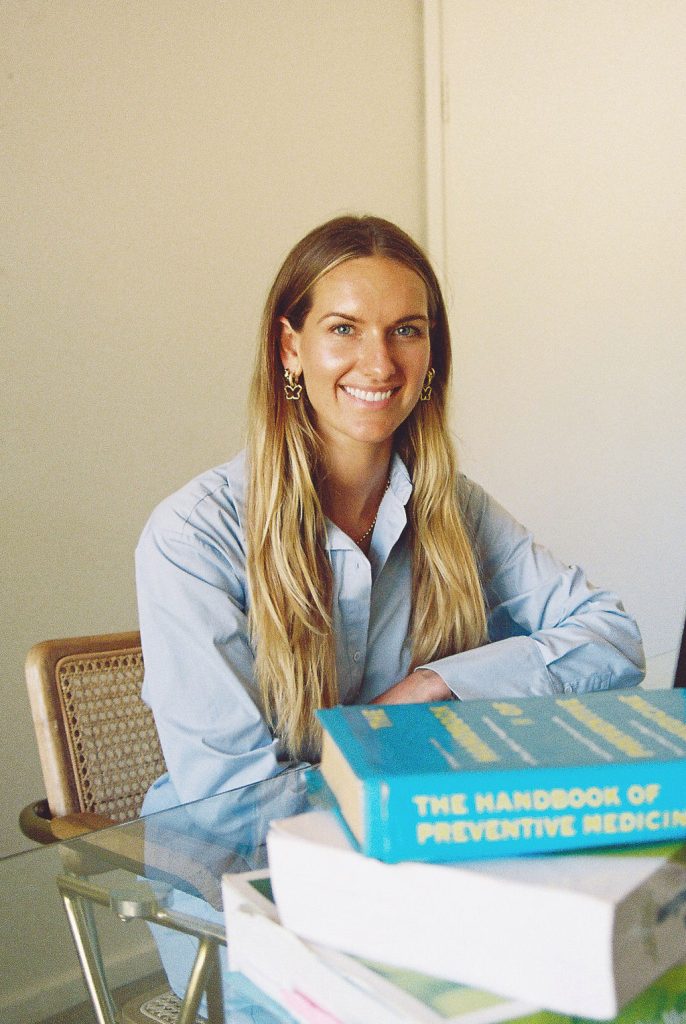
419 687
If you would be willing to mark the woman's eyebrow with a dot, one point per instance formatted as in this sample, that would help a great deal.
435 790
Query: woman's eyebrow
341 316
411 316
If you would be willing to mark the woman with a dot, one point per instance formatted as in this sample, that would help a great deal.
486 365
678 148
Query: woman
342 558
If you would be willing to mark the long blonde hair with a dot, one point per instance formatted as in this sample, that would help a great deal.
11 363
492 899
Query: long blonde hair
289 573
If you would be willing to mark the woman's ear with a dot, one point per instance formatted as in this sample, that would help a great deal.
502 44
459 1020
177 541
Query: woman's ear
289 347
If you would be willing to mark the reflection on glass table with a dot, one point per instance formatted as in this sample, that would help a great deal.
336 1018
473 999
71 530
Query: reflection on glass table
159 874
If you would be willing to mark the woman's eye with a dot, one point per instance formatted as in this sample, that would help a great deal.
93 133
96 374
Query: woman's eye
343 330
408 331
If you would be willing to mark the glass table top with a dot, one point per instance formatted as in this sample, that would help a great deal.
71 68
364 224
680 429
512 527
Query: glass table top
142 894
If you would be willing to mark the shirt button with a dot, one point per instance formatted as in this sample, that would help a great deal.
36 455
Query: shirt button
356 656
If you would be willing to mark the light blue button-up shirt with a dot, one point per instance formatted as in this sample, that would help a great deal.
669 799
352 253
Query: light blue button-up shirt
550 631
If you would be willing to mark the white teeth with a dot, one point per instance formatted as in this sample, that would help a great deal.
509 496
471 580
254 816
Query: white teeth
368 396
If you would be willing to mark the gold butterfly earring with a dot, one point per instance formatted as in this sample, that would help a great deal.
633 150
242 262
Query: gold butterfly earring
292 389
425 396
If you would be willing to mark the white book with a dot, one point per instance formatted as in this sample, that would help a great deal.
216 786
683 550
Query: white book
580 934
317 984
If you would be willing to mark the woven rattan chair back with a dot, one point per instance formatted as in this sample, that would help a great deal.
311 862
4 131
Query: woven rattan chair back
97 740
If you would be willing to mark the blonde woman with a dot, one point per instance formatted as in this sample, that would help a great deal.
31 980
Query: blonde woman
342 558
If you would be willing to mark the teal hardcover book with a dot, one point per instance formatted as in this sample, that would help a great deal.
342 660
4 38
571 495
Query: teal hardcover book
451 781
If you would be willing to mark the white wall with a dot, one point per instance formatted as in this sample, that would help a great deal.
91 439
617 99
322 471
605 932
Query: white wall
559 172
158 161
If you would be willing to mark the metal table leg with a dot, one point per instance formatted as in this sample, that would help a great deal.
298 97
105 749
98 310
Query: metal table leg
84 933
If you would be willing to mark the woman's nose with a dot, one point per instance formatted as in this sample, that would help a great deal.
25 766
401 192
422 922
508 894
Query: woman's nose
376 358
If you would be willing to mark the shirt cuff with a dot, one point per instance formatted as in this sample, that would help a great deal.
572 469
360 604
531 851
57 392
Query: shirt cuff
507 668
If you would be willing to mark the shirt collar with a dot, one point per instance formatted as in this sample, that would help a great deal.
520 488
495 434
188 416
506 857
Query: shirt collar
401 485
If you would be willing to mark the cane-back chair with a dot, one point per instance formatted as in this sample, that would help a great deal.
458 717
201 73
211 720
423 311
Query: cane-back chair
99 753
97 741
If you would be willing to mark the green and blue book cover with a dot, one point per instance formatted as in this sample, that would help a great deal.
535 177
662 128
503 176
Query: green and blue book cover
664 1002
451 781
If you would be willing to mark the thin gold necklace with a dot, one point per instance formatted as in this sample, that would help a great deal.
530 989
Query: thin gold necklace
368 531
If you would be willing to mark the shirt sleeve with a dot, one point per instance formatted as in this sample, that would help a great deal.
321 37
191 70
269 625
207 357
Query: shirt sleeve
549 629
198 661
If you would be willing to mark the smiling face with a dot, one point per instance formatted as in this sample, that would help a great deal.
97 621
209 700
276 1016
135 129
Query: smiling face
363 350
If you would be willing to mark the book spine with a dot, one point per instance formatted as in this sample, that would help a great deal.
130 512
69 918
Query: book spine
473 815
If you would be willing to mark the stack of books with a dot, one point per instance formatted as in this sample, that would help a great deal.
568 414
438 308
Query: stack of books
303 982
413 892
310 983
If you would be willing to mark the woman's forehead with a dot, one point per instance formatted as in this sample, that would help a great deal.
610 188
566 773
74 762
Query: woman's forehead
371 283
